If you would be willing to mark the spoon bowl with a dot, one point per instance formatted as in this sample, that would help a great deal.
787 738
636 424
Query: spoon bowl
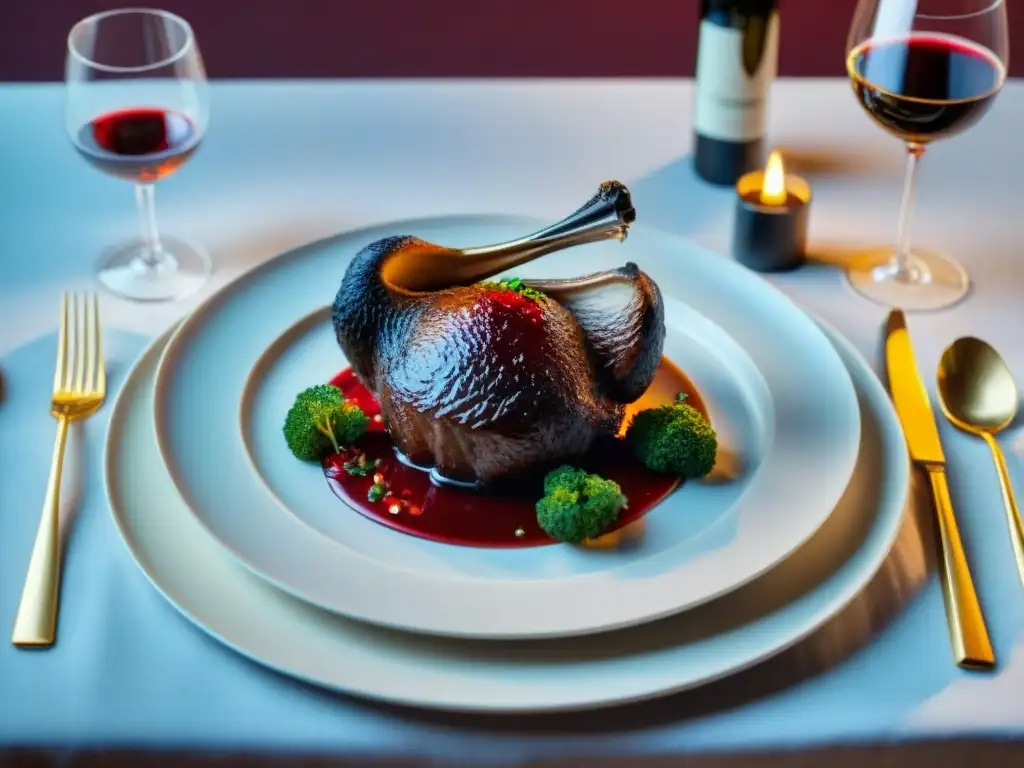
978 395
976 388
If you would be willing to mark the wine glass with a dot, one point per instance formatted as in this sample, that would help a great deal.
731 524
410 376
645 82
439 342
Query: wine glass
923 70
136 107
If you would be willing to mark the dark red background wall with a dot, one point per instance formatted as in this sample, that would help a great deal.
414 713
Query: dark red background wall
442 38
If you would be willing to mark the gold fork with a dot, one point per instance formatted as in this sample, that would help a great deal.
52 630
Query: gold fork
79 387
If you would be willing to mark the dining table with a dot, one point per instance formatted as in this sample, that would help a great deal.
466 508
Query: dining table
132 682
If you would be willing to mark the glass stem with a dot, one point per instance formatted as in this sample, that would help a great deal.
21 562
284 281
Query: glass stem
153 252
901 261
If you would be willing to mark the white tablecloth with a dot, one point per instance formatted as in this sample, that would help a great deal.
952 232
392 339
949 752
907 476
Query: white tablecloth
285 163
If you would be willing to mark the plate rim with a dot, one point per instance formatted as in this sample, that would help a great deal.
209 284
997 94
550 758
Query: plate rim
190 327
855 576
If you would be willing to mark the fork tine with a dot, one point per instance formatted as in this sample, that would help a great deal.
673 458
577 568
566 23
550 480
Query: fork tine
69 346
79 344
90 343
62 346
100 387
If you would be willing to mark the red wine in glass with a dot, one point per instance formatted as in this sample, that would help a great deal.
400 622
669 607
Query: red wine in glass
925 86
142 145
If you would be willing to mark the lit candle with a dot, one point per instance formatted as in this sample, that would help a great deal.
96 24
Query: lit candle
770 228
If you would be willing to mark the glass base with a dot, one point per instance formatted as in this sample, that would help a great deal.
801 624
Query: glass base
180 269
930 281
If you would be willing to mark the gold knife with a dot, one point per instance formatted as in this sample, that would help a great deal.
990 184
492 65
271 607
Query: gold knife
971 646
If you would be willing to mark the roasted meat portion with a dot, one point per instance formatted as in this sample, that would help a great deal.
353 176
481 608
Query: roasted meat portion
480 381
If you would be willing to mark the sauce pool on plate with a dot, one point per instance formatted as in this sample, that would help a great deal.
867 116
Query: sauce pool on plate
503 516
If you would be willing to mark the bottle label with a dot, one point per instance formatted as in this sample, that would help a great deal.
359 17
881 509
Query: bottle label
732 79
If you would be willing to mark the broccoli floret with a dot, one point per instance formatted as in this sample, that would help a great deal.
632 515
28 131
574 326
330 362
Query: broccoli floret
320 421
558 513
566 477
350 424
602 499
578 505
674 439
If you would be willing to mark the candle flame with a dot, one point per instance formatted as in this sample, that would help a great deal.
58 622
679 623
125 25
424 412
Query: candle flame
773 189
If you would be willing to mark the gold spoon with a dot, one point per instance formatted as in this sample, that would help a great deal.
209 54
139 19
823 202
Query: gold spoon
978 395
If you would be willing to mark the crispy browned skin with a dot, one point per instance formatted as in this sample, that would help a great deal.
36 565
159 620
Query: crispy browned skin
485 389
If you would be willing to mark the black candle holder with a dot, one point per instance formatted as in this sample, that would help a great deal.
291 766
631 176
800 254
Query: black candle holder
771 236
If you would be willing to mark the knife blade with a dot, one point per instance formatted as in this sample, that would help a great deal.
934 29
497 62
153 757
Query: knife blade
971 645
909 394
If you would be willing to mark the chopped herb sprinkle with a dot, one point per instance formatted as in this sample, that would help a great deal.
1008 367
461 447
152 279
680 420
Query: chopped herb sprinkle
516 285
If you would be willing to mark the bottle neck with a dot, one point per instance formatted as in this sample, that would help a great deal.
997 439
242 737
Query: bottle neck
735 13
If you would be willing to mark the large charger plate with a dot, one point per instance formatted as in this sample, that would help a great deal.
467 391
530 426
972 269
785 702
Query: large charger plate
778 391
187 565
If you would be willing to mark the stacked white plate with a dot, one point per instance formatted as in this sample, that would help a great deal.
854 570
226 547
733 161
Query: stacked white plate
252 546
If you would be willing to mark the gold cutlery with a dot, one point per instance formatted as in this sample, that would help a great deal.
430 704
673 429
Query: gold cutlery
978 395
971 645
79 387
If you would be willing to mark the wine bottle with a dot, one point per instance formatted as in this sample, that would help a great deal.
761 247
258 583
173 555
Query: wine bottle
737 58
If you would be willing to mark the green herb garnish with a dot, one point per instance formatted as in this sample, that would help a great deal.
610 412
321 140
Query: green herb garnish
516 285
360 466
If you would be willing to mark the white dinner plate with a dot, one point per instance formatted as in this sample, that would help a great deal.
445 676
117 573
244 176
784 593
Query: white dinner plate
187 565
777 391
